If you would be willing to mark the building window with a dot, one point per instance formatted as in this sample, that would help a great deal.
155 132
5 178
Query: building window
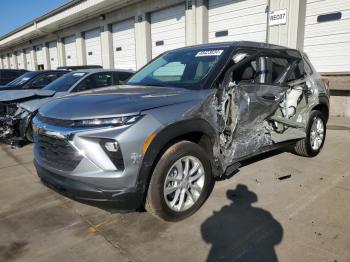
329 17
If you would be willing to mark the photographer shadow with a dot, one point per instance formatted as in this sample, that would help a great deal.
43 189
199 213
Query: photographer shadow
241 232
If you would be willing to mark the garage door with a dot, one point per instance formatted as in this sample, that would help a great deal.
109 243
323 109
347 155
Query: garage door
53 54
20 61
93 47
168 29
12 61
28 60
327 35
123 34
70 50
39 56
231 20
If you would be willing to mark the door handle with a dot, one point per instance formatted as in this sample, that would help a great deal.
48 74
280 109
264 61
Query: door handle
269 97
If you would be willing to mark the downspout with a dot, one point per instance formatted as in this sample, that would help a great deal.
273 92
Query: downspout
267 11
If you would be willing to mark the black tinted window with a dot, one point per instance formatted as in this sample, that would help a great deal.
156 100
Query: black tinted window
65 82
43 80
95 81
123 76
10 74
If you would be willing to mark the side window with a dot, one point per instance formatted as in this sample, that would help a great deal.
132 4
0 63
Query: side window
298 72
43 80
278 68
307 67
170 72
9 75
95 81
121 77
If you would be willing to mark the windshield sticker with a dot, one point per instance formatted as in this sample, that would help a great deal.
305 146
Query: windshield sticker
78 74
209 53
25 78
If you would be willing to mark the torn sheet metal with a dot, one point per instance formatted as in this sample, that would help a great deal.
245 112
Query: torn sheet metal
250 117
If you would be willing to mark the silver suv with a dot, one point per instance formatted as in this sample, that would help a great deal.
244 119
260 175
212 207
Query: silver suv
186 118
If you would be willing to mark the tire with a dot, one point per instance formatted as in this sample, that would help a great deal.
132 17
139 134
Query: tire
304 147
166 175
29 134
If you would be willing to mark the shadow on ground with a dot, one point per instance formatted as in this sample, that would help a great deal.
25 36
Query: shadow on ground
241 232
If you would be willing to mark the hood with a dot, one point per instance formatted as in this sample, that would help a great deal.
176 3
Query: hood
116 101
13 95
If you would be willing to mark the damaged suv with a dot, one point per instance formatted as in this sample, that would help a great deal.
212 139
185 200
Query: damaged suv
186 118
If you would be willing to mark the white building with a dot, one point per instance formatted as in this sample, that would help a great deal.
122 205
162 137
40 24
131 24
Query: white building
129 33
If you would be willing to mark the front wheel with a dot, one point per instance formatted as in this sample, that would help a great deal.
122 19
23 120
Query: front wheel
181 182
312 144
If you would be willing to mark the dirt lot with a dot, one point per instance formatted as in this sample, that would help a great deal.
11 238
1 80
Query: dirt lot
253 216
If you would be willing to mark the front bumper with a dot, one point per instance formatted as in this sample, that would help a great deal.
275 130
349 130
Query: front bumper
122 199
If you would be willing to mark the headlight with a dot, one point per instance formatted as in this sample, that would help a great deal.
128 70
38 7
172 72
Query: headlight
112 121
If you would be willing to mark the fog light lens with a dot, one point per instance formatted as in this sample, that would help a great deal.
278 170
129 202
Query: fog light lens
112 146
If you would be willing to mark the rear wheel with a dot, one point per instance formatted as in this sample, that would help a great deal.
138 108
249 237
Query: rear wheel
312 144
181 182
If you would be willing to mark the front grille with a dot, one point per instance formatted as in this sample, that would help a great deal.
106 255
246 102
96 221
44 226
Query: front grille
57 153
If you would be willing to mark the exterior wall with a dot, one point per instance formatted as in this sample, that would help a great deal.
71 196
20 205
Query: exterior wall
291 34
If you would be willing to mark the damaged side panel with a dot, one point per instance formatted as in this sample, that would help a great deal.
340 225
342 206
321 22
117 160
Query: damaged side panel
251 117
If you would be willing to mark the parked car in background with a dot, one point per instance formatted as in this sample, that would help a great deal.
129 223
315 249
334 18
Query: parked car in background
188 117
73 68
33 80
18 107
8 75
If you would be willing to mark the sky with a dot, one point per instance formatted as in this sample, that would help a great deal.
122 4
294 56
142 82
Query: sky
15 13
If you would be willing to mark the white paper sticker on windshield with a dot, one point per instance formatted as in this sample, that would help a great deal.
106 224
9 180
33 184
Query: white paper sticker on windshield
78 74
209 53
25 78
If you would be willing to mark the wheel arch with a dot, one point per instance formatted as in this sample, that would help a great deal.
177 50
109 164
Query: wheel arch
198 131
323 106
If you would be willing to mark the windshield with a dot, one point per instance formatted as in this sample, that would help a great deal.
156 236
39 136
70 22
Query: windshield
65 82
21 80
181 68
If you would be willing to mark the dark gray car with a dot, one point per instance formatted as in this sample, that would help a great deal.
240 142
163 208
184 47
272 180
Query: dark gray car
188 117
18 107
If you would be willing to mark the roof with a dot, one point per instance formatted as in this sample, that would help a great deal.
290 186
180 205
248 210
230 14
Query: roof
40 18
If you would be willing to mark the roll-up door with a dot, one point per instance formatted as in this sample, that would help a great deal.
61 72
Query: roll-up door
70 50
53 54
327 35
28 59
231 20
39 56
168 29
124 45
12 60
20 60
93 47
